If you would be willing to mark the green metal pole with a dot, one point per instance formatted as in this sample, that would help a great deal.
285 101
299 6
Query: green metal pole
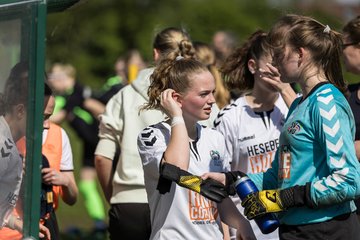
34 121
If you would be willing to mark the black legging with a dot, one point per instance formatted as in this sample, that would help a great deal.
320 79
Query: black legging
129 221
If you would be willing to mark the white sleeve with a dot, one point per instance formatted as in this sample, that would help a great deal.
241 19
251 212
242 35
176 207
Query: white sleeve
66 163
4 161
4 210
224 124
110 127
8 190
151 145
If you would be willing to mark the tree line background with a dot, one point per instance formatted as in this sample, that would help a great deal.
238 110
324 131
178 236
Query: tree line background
93 33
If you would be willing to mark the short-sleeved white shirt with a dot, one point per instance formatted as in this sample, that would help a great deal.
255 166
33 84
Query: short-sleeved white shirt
10 172
252 139
182 213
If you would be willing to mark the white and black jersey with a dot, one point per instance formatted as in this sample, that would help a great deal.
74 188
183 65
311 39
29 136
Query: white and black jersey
251 140
182 213
10 172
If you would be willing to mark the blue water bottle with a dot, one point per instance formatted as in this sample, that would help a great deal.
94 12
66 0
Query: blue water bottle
268 222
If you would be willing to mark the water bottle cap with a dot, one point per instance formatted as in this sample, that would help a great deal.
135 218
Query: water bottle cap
241 179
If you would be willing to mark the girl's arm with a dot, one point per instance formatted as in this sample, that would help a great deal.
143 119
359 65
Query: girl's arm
230 215
178 150
335 130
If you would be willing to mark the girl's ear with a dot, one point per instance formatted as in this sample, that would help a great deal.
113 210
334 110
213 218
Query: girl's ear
177 97
301 51
156 54
252 66
20 111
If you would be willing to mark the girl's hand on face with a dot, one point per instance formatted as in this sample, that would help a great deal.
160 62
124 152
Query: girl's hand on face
272 76
171 107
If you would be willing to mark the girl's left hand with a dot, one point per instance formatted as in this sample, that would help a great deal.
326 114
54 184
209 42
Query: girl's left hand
167 101
273 77
220 177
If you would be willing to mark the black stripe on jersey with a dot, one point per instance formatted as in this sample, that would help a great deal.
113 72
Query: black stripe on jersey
216 122
8 144
194 150
147 135
268 115
151 142
262 115
222 112
147 129
4 154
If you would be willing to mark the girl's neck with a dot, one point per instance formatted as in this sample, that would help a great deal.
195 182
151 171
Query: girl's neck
310 82
260 100
192 130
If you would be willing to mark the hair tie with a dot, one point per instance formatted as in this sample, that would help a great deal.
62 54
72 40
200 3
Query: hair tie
179 58
327 29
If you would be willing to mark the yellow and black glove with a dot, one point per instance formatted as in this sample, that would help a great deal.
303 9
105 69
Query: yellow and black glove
271 201
208 188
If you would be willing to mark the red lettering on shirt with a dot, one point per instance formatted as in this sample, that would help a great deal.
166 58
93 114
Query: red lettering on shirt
201 208
261 162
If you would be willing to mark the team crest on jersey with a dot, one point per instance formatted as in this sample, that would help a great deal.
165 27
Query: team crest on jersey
294 128
215 157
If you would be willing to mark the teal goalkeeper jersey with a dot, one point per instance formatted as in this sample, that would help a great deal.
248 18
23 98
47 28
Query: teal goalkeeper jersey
317 146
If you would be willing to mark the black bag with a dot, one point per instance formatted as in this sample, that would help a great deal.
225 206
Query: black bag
46 195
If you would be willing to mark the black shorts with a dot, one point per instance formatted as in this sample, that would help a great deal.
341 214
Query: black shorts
342 227
88 133
129 221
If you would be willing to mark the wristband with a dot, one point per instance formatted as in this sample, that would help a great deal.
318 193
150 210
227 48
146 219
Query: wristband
177 120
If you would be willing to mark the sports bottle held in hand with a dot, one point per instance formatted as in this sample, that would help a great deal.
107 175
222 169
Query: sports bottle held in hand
268 222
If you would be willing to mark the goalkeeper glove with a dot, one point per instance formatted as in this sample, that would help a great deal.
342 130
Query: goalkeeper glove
208 188
271 201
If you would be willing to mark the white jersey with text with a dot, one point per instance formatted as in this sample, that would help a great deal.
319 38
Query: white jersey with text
181 213
10 172
251 140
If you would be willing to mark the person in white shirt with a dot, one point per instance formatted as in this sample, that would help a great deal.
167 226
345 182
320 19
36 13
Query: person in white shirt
252 123
124 189
183 89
